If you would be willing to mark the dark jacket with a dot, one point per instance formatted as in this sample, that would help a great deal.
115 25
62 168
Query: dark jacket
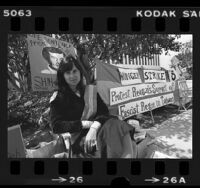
66 112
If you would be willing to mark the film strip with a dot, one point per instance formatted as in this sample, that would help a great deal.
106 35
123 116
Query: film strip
107 21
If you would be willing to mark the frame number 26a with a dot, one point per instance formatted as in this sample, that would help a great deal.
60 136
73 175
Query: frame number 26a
174 180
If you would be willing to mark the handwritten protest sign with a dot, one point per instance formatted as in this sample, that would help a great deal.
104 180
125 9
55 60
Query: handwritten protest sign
154 76
129 76
16 148
140 96
141 106
184 92
45 54
126 93
173 75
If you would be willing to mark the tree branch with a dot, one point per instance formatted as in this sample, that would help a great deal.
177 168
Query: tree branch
12 81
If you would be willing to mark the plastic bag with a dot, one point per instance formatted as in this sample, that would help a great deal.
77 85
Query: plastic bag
58 146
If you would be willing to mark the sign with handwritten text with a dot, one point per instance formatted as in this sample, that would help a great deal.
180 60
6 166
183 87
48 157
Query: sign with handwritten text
129 76
154 76
45 55
126 93
173 75
141 106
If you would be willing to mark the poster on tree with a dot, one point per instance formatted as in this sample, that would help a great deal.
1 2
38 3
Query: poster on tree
45 55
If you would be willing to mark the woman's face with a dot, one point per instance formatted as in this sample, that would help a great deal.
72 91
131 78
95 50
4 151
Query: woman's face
72 77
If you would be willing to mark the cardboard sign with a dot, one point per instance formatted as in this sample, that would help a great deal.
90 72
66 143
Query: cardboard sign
173 75
141 106
129 76
126 93
45 54
189 84
183 88
154 76
16 148
184 92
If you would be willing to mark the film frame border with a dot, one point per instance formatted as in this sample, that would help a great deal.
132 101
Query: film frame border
11 25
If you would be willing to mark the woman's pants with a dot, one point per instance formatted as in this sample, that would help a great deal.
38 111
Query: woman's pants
110 139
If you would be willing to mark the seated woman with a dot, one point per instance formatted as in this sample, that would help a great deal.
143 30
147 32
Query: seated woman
110 135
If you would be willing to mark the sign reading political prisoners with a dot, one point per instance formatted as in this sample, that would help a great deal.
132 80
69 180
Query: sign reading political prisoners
141 106
154 76
129 76
126 93
45 54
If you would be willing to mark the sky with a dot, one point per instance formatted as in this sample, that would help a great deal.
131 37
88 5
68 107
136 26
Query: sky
165 59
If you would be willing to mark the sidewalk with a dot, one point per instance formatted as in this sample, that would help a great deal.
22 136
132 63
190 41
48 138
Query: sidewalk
174 136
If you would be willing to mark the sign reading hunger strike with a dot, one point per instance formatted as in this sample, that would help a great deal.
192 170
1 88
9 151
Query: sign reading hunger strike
141 106
45 54
126 93
129 76
119 97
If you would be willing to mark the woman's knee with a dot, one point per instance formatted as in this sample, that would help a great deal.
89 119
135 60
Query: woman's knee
113 122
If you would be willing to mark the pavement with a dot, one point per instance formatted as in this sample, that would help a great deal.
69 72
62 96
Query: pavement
174 135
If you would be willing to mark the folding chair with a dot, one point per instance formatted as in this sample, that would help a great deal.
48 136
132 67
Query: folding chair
185 95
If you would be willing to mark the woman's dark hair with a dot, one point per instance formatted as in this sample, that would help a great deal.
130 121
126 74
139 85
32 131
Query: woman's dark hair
66 66
46 55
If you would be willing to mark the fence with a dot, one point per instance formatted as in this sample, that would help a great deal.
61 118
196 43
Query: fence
146 61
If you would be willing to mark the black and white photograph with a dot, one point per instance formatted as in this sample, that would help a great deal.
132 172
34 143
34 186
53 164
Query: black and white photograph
118 96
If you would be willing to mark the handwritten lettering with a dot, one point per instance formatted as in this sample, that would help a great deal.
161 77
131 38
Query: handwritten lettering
133 110
136 107
152 76
129 76
36 43
43 82
122 94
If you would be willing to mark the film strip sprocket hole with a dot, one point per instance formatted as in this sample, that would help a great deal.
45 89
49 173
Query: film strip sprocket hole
105 171
87 167
135 24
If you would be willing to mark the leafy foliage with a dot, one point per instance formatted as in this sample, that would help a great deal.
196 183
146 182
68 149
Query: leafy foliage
18 62
185 58
89 47
26 108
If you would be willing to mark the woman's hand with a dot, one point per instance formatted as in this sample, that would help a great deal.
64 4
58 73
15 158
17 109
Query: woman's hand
90 140
86 124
